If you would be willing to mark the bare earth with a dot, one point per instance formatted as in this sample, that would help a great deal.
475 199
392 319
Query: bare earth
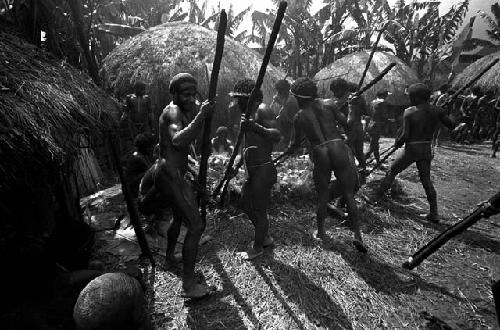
305 284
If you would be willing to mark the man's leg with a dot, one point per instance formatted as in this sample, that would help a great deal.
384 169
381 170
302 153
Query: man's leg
399 165
185 208
424 171
321 177
172 237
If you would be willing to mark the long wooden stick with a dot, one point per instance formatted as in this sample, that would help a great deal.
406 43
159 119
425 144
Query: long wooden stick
212 91
374 48
132 211
253 96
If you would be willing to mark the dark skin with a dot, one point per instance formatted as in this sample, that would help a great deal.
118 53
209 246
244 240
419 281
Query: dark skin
329 153
288 107
139 112
420 123
260 136
376 126
180 124
354 129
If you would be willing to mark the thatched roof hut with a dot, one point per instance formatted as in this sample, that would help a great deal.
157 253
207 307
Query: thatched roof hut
159 53
47 112
351 68
490 81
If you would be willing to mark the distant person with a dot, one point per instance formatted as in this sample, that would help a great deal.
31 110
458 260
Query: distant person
378 121
285 107
138 113
495 145
138 163
420 122
220 143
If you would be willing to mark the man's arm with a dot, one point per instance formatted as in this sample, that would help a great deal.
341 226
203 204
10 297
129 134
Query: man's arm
266 126
297 141
405 133
339 116
445 120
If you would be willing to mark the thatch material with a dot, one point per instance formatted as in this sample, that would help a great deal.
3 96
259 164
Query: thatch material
161 52
351 67
490 81
44 106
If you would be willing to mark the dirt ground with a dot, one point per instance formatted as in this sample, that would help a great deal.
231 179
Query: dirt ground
305 284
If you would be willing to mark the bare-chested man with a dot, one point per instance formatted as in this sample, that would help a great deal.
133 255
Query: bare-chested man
165 185
284 107
317 120
420 122
260 136
354 110
378 121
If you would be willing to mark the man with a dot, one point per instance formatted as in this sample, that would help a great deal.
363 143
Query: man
378 121
285 107
318 121
165 184
420 122
260 136
138 163
220 143
495 141
138 111
354 110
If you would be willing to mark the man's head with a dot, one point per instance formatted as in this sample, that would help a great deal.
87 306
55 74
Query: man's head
221 132
339 87
183 90
419 93
382 94
241 92
139 88
282 87
476 90
304 90
143 144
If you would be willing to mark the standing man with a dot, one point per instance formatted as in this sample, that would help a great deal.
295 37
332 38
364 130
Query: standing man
165 185
285 107
379 115
354 110
138 111
318 121
420 122
260 136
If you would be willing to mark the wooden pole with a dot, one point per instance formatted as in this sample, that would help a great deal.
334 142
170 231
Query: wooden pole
253 96
212 91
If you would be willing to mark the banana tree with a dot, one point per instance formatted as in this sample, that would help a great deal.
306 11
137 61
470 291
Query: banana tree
493 21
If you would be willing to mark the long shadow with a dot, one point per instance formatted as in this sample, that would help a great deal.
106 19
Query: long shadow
469 237
468 149
311 299
213 312
206 313
380 275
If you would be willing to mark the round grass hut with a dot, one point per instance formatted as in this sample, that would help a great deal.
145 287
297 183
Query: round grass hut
490 81
49 112
159 53
351 68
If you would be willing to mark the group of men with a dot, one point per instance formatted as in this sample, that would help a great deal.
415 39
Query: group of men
301 117
477 113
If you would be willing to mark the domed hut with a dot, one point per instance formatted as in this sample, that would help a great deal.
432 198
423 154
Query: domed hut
159 53
490 81
351 68
49 112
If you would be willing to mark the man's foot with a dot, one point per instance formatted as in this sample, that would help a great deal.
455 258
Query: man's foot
432 217
319 235
173 261
372 197
268 242
197 291
336 212
359 246
251 253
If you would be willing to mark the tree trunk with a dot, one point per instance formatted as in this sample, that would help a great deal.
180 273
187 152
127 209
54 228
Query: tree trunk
83 39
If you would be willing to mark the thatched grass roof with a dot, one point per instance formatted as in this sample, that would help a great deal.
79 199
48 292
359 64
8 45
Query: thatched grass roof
44 103
490 81
351 68
159 53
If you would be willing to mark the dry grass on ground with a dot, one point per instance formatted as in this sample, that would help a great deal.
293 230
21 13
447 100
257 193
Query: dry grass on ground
305 284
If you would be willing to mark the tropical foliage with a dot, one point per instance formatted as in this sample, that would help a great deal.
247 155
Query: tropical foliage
493 21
